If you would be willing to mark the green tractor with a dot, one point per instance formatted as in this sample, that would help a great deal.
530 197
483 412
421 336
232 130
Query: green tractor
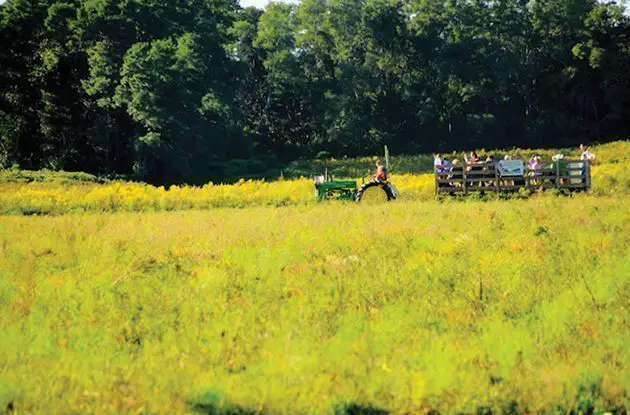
372 191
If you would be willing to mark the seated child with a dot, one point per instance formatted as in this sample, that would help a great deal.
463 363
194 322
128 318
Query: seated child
438 162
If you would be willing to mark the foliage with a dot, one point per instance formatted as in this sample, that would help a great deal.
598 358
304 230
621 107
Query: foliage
118 87
173 92
47 176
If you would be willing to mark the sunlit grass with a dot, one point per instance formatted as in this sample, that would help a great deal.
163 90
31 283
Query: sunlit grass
35 198
253 297
405 306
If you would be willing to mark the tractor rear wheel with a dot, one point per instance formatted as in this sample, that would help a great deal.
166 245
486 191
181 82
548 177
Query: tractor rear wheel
375 192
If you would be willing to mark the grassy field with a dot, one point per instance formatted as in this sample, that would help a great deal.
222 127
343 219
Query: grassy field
36 193
278 305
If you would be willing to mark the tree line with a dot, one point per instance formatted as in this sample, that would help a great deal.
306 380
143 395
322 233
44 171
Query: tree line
190 90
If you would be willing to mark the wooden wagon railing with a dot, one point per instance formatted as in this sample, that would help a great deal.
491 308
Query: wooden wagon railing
483 177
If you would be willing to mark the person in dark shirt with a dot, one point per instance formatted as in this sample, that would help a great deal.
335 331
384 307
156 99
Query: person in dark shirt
381 172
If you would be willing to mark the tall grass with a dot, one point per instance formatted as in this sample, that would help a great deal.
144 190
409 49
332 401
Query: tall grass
407 307
62 193
46 199
140 299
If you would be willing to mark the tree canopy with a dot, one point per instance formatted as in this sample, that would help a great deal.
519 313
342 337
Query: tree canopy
172 91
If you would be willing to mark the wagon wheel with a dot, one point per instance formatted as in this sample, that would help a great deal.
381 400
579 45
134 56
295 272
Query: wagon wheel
374 193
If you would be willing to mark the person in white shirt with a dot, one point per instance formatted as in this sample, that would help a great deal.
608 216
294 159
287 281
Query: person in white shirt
438 161
586 154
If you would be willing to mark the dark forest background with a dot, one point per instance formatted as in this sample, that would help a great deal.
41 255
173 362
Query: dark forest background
191 90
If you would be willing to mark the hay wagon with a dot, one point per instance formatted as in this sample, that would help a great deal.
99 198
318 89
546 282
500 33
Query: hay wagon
513 175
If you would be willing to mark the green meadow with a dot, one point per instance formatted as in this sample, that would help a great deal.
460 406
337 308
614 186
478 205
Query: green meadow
421 305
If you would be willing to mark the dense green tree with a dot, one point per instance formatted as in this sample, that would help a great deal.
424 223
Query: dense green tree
287 118
165 88
21 31
185 124
172 91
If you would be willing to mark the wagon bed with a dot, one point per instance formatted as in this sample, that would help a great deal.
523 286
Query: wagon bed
565 174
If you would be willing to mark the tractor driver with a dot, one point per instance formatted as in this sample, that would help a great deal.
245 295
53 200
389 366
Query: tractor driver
381 172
